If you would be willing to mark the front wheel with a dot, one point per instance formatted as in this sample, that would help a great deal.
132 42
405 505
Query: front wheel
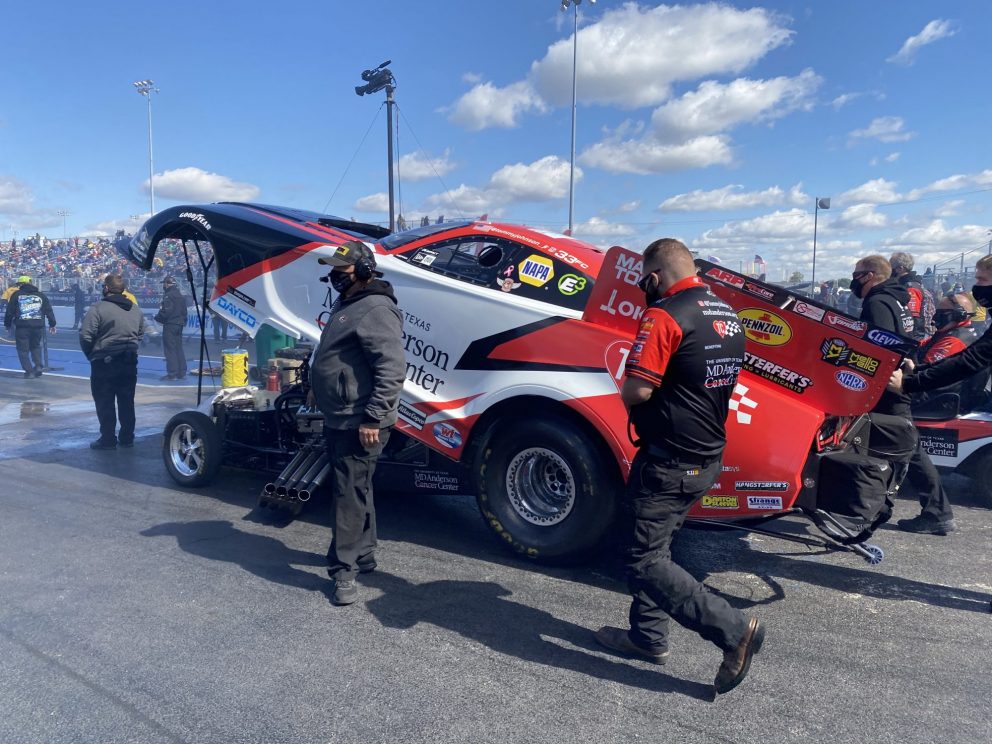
192 449
546 489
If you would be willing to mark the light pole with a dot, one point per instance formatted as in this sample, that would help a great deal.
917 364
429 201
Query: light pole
146 88
376 79
63 213
821 203
575 52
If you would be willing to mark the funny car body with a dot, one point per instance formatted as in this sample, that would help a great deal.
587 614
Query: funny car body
515 342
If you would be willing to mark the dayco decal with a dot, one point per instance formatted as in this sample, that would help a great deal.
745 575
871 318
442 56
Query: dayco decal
776 373
752 485
719 502
536 270
195 217
764 502
836 351
854 326
810 311
418 374
851 380
725 277
237 313
448 436
571 284
764 328
884 338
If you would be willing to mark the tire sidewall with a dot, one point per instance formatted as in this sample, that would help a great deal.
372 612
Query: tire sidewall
206 430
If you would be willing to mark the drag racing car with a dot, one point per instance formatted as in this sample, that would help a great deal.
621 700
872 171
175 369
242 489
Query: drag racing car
516 341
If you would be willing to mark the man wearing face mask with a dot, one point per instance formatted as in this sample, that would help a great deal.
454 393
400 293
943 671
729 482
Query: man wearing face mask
678 381
357 374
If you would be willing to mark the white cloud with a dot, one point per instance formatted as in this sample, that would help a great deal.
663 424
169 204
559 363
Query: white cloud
937 235
954 183
892 157
844 99
414 166
646 156
876 191
378 202
859 217
884 129
195 184
777 227
733 197
488 106
631 206
715 107
597 227
16 197
949 209
471 78
933 31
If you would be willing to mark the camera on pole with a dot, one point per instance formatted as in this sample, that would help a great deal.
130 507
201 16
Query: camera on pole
376 79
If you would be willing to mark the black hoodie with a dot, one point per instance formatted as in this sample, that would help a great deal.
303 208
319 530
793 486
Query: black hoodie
885 307
29 308
112 327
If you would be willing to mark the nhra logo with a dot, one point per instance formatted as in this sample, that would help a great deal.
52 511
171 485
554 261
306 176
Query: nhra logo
764 328
883 338
536 270
851 380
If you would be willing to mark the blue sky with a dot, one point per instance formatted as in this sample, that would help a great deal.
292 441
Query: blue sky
717 124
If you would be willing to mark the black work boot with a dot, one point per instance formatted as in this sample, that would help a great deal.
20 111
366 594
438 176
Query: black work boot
345 593
618 641
736 663
926 524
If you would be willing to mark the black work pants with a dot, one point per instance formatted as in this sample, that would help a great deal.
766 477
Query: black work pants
79 313
28 340
923 476
660 491
172 348
112 382
352 467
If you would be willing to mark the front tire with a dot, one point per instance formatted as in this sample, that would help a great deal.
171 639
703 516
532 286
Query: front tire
546 489
192 449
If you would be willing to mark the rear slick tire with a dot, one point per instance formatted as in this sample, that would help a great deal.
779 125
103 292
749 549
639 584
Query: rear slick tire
546 489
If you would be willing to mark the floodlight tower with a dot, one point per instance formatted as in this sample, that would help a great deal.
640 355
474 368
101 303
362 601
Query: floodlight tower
146 88
376 79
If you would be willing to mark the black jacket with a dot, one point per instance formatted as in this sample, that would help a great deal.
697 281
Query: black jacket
29 308
885 307
975 358
173 310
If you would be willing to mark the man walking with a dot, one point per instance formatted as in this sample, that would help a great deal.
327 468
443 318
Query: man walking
110 337
357 373
78 305
27 310
172 316
679 412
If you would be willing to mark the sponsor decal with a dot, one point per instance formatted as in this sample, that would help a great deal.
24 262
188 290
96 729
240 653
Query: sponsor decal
236 313
740 404
435 480
731 468
448 436
884 338
837 352
417 322
195 217
536 270
776 373
719 502
758 291
721 372
571 284
851 380
756 485
725 277
625 308
856 327
430 358
726 328
764 502
810 311
764 328
615 360
238 294
424 257
506 284
411 415
939 442
628 268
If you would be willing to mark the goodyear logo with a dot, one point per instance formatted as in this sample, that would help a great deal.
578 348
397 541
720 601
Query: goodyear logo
536 270
719 502
765 328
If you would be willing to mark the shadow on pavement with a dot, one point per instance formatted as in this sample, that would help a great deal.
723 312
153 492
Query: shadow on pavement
481 612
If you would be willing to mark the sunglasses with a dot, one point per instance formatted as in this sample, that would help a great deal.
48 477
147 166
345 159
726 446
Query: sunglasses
859 274
643 283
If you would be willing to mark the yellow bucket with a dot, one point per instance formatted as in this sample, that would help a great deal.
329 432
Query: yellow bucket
234 370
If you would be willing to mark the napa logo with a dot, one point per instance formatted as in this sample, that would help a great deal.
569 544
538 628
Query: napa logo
851 380
536 270
765 328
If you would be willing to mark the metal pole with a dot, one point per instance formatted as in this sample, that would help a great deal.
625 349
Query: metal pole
389 157
571 170
816 214
151 168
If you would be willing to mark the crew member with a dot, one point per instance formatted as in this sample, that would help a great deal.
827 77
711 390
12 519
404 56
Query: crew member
357 374
78 305
172 316
110 337
27 310
679 379
921 305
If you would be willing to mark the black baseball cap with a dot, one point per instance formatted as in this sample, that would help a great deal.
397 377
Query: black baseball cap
348 254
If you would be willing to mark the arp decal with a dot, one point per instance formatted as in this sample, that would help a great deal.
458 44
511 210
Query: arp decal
884 338
769 503
809 311
447 436
939 442
837 352
536 270
571 284
776 373
851 380
764 327
856 327
719 502
725 277
754 485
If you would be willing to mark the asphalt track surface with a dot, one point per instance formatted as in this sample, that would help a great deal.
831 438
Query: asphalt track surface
135 611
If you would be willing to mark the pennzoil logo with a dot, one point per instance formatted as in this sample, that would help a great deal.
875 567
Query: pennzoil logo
536 270
764 328
719 502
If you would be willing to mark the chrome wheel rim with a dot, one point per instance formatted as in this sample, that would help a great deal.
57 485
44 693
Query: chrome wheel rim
186 450
541 486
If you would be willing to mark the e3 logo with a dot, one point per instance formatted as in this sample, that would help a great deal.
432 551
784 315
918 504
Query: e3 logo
571 284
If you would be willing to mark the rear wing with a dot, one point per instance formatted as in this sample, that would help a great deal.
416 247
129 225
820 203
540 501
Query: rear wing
813 353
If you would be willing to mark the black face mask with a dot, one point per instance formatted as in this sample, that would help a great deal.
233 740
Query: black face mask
341 282
982 295
857 288
943 317
649 286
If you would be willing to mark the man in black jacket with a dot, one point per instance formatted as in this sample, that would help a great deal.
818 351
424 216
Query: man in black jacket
27 311
921 303
110 336
172 316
